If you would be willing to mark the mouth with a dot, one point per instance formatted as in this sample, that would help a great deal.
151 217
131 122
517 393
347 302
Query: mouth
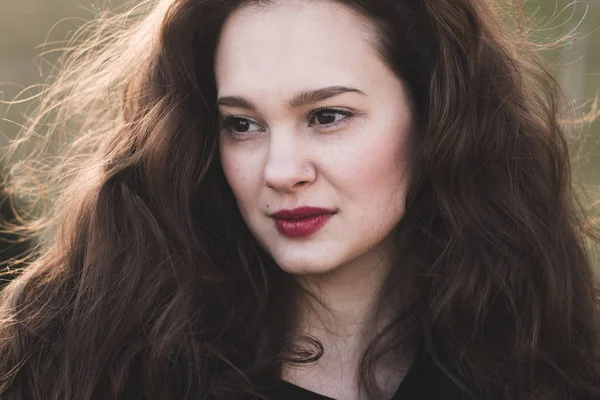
302 227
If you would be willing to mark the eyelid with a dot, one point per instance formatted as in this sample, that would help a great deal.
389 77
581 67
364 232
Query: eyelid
228 120
348 116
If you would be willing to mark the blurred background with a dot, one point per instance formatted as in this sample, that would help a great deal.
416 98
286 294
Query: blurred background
26 25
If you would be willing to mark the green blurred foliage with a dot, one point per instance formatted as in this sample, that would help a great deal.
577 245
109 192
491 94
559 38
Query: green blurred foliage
577 66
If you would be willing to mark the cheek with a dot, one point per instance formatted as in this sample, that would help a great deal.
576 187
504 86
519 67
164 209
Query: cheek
238 175
377 166
378 192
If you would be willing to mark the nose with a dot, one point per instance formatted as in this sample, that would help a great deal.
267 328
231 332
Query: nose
287 167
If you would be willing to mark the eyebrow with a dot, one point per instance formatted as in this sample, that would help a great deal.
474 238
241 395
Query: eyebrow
301 99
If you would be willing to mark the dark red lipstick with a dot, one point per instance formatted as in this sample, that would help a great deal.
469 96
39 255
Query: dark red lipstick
302 221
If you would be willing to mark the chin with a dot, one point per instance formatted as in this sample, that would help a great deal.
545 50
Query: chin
305 268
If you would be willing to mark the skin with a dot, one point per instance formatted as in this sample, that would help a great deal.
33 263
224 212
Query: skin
276 156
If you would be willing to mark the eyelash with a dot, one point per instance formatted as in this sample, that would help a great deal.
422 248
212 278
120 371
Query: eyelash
229 120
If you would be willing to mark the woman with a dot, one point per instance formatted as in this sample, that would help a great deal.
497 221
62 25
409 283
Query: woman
292 199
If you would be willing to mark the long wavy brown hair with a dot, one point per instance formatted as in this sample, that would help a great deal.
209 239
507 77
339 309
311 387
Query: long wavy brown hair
144 280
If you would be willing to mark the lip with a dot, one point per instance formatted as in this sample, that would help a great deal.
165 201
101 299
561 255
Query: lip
295 228
301 212
301 222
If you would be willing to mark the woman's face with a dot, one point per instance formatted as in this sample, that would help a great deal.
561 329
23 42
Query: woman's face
312 117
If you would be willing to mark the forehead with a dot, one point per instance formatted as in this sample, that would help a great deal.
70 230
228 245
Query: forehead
292 45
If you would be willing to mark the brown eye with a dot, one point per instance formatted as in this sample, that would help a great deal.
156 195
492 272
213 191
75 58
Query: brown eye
238 126
326 117
329 117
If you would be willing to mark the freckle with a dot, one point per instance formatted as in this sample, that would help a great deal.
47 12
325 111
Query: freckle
267 206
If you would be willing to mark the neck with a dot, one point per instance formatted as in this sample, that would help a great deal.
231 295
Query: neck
345 309
344 306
